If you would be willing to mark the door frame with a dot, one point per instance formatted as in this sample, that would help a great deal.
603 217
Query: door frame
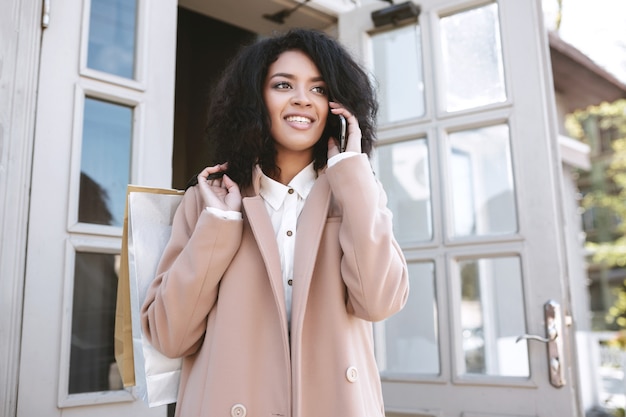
19 57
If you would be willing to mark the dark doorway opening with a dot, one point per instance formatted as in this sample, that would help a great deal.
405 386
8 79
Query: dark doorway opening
204 47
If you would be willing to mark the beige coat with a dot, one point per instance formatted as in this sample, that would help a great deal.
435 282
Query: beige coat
218 301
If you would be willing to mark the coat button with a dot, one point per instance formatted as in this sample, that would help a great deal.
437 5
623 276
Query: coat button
238 410
352 374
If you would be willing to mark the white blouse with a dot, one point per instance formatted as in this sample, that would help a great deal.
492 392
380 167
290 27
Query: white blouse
284 204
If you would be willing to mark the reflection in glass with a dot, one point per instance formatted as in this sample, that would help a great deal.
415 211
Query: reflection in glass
481 180
92 361
492 316
472 58
397 60
112 37
412 343
404 171
105 162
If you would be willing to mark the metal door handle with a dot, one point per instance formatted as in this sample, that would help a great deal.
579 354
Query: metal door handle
554 327
532 337
551 329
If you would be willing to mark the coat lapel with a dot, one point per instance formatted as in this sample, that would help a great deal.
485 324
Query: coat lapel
263 231
310 227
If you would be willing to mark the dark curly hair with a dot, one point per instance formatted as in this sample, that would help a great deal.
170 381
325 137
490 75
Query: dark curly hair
238 121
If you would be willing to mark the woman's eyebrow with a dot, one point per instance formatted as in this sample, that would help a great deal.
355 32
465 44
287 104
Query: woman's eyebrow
292 76
283 74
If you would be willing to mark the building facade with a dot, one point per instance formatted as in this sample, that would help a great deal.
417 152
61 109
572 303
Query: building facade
105 93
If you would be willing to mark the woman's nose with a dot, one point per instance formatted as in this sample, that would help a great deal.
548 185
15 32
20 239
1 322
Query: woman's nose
300 97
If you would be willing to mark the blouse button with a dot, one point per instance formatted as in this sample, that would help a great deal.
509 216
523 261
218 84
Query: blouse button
289 233
352 374
290 191
238 410
290 282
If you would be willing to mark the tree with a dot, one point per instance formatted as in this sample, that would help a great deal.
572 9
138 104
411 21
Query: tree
603 127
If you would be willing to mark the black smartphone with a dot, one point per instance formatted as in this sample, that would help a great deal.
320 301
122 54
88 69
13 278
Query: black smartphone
342 133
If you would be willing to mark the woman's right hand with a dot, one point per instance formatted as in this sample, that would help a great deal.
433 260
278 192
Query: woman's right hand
222 193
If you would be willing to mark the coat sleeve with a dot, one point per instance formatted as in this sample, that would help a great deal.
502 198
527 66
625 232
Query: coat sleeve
373 267
202 245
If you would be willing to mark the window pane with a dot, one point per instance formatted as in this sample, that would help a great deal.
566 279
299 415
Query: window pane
481 180
403 169
398 71
112 39
412 343
472 58
492 317
92 361
105 162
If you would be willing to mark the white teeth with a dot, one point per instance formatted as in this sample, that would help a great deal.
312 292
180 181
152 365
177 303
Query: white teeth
298 119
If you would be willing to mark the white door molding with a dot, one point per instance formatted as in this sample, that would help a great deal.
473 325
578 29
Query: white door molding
19 62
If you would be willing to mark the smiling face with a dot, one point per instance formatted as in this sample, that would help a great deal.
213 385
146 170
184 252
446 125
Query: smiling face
297 102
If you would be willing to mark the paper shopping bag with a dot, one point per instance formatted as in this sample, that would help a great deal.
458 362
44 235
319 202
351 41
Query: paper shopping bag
150 215
123 322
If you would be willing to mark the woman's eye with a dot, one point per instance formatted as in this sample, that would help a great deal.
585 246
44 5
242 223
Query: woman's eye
282 85
319 90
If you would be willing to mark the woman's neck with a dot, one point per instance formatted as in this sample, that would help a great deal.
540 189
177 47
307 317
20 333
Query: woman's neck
289 166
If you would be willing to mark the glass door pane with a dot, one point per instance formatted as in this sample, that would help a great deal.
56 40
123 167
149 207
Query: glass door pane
480 177
92 362
105 162
492 317
404 170
397 65
112 37
472 58
411 336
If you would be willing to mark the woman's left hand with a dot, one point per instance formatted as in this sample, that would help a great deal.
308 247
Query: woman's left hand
353 133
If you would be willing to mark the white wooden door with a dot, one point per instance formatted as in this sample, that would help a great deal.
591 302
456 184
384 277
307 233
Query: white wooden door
468 154
104 119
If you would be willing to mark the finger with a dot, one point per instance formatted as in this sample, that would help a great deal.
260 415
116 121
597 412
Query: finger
345 113
215 169
338 107
353 122
202 177
207 181
233 198
335 105
230 185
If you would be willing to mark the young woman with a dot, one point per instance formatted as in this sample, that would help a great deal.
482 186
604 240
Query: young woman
276 270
